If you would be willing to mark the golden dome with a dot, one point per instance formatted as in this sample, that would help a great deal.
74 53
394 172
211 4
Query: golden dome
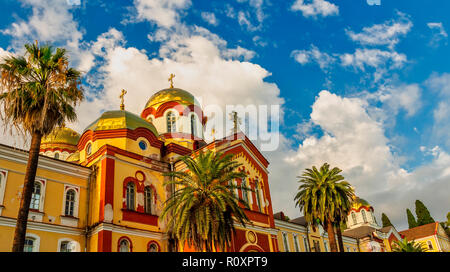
359 202
172 94
120 119
61 135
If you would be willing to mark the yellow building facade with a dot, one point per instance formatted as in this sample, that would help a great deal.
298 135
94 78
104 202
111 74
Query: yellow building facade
297 236
432 237
103 190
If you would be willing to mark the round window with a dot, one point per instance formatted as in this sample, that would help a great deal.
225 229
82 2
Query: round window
143 145
89 149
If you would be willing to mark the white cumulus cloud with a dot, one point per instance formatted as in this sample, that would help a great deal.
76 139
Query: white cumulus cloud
314 8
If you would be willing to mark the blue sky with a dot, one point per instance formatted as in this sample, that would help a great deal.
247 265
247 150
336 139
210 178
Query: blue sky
363 87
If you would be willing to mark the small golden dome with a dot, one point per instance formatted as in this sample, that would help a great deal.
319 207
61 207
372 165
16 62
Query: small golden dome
61 135
121 119
359 202
172 94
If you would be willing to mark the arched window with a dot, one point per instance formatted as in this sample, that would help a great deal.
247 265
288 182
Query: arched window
64 247
193 125
258 197
363 212
29 244
171 122
244 190
152 247
354 218
70 202
124 245
36 196
131 192
56 156
148 196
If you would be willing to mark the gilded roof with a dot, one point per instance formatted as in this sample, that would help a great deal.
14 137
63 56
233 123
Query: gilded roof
120 119
172 94
359 202
61 135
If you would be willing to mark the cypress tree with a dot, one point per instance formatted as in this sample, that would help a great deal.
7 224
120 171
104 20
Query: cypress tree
411 220
423 215
385 220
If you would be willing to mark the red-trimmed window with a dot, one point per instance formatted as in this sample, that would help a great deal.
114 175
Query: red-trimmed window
153 247
70 202
131 196
124 245
148 199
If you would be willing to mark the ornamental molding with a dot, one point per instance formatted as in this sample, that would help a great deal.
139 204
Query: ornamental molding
20 156
127 231
11 222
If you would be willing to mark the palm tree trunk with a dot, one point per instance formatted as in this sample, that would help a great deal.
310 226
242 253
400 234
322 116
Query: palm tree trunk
30 175
339 236
331 236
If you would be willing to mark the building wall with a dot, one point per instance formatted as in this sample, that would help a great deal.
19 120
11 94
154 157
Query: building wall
49 223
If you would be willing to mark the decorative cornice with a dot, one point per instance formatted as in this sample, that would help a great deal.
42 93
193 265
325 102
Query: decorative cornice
128 231
46 163
31 225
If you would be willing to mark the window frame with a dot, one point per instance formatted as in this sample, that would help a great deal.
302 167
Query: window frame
354 219
128 240
364 216
173 121
128 197
3 182
158 247
43 184
36 241
193 124
76 189
151 200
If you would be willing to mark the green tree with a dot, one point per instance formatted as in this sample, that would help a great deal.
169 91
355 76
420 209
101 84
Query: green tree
385 220
423 215
38 92
411 219
323 195
408 246
201 210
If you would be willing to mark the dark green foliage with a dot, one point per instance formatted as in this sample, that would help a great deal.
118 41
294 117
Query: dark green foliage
408 246
325 198
423 215
202 211
385 220
411 220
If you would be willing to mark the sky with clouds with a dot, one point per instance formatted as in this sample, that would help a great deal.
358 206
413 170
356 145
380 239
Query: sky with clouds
363 87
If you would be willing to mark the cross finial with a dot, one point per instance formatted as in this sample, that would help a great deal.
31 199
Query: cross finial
171 80
213 133
236 121
122 97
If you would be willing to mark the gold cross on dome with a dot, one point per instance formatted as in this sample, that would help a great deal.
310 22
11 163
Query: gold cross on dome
213 133
122 98
171 80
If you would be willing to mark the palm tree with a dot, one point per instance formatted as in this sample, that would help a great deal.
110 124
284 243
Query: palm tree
322 196
203 206
39 92
408 246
